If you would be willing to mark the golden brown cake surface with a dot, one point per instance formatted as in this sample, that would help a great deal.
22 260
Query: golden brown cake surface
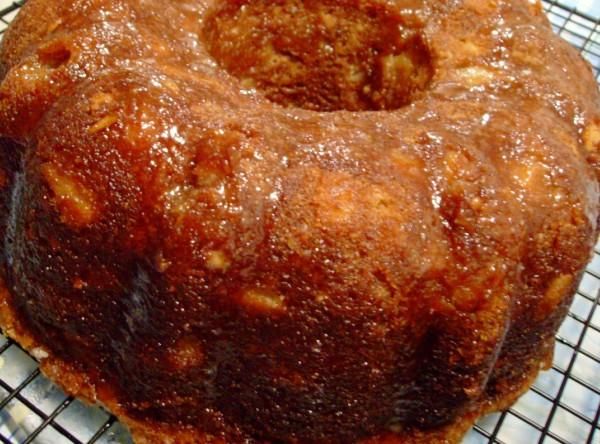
252 221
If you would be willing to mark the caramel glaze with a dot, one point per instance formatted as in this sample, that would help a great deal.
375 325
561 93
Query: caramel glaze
227 235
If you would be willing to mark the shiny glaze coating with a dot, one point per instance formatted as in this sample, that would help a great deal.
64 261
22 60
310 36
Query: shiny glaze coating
231 236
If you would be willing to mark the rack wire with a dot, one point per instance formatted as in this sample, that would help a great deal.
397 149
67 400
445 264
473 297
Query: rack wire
563 406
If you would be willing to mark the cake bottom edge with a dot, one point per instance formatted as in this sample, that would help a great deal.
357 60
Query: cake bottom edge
77 384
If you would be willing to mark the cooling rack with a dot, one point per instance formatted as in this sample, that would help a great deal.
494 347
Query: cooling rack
563 406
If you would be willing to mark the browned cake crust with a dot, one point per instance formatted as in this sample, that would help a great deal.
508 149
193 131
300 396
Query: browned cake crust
250 221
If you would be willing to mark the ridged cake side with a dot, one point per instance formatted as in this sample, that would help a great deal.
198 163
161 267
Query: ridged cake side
228 230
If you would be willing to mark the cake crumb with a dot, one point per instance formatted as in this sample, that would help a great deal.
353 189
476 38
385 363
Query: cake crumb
76 203
591 137
217 261
103 123
264 301
39 353
98 100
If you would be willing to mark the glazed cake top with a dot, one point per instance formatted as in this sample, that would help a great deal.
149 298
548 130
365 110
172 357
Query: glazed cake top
292 195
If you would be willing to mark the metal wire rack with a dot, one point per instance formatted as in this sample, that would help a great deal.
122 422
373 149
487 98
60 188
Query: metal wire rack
563 406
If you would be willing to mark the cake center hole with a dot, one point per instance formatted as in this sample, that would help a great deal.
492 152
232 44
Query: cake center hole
322 55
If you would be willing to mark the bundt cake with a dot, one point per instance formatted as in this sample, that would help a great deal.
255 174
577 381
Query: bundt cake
286 221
